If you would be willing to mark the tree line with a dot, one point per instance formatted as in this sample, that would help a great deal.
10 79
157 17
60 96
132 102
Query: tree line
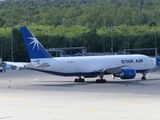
65 23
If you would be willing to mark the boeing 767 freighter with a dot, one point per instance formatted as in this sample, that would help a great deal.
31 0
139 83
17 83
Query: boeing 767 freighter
123 66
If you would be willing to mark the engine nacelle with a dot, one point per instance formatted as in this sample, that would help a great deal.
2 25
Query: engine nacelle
126 74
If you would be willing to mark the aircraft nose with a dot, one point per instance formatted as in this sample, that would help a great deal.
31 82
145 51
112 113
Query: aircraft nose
153 62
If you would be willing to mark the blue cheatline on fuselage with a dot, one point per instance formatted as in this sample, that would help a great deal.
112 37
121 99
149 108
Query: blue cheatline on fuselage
34 47
66 74
94 74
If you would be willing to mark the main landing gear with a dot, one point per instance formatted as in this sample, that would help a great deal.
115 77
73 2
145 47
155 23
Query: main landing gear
79 79
101 80
143 77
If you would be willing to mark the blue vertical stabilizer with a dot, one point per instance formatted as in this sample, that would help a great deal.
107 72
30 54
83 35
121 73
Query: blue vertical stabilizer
34 47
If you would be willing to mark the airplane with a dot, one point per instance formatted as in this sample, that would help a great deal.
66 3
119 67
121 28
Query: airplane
121 66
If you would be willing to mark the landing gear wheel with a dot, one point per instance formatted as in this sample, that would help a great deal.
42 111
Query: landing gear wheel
100 81
143 78
79 80
76 80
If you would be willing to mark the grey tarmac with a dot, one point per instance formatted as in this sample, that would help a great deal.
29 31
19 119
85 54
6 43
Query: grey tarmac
27 94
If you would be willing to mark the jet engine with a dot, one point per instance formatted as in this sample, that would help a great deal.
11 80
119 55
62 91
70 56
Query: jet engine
126 74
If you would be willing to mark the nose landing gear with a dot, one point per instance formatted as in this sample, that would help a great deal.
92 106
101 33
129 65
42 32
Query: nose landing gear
143 77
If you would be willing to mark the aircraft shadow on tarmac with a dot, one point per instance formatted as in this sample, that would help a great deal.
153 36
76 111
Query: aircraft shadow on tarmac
72 83
62 83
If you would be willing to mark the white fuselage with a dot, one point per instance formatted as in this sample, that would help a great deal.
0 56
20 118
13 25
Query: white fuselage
88 64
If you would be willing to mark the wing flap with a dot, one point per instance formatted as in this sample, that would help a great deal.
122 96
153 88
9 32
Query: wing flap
112 70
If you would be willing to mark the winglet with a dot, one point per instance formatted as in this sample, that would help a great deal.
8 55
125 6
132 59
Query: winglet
34 47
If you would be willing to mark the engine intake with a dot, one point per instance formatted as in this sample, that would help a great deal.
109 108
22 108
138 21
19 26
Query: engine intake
126 74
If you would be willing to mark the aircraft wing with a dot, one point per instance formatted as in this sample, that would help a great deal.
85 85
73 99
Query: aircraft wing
18 64
155 69
113 70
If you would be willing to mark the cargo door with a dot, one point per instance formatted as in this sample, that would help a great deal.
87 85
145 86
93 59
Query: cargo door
145 60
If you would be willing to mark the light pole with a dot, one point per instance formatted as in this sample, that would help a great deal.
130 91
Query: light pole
128 42
70 41
155 43
12 46
103 45
111 27
12 57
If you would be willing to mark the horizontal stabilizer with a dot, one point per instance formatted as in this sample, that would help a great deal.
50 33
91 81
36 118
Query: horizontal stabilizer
18 64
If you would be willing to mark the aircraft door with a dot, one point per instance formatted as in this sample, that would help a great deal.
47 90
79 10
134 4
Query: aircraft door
145 61
61 67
